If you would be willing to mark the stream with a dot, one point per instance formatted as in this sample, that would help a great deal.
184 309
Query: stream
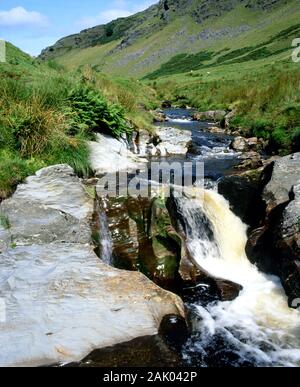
257 328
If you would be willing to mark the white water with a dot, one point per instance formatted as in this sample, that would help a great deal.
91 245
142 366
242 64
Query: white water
258 324
106 242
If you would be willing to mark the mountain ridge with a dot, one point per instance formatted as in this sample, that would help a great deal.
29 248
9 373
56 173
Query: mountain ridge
141 43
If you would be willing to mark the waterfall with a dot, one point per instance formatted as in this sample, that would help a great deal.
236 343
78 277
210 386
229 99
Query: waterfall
258 328
106 246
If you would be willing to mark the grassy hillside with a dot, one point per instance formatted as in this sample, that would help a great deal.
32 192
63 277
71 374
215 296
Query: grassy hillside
184 35
265 98
47 115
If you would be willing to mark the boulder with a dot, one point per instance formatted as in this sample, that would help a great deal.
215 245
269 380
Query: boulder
250 160
240 144
173 141
211 115
286 174
159 116
62 302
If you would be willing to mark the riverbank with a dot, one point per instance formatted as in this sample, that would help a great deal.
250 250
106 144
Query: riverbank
194 246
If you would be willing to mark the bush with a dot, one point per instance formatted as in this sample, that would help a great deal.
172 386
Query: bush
90 110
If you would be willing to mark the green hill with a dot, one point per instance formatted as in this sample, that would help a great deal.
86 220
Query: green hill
177 36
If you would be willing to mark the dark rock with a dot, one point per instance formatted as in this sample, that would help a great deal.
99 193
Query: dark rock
148 351
166 104
243 191
174 330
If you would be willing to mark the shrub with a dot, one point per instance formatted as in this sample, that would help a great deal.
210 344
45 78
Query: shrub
90 110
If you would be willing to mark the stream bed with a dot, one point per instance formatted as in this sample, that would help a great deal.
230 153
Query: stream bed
255 329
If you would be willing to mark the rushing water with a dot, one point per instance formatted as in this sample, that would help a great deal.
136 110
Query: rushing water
257 328
211 148
106 245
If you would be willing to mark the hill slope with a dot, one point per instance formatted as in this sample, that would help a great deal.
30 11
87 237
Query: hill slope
217 31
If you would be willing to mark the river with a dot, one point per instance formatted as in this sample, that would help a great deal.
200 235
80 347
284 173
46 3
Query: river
257 328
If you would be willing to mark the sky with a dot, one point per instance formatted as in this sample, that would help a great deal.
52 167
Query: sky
35 24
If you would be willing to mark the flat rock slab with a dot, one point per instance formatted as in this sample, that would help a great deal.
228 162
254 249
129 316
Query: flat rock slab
62 303
51 206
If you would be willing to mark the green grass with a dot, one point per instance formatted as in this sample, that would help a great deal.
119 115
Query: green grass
266 100
47 116
161 48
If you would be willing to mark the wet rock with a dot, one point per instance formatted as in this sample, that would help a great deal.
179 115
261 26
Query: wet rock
174 330
209 289
166 244
227 290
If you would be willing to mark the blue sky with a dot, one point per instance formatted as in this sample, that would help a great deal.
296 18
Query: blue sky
35 24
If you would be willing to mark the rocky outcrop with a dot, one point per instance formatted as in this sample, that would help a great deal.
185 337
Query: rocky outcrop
173 141
159 116
242 144
211 115
109 155
62 302
275 246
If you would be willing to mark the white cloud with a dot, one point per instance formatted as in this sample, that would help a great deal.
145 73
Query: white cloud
122 8
19 17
